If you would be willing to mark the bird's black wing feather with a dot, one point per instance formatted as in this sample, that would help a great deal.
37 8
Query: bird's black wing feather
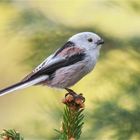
63 63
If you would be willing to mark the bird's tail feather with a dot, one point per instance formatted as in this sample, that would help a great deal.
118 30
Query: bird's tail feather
22 85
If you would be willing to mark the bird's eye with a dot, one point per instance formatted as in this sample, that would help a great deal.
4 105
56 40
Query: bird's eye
90 39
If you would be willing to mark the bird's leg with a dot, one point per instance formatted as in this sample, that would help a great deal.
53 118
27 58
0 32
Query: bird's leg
74 94
70 91
73 100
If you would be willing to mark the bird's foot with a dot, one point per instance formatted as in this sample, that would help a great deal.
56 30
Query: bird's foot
73 100
73 93
70 91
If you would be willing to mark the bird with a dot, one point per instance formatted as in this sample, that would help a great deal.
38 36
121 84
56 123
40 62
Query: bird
66 66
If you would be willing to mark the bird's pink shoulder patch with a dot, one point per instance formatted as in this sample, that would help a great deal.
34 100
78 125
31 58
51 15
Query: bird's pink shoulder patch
70 51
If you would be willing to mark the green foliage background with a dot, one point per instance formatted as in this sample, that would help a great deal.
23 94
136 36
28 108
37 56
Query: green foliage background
30 30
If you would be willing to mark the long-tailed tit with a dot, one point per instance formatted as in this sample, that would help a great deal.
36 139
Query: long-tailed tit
76 58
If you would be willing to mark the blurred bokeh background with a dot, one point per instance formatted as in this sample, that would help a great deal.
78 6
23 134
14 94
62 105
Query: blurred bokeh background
30 30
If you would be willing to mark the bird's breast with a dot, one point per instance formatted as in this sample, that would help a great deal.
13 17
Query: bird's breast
68 76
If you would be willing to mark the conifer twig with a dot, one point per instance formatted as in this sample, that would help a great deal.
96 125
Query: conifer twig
71 127
11 134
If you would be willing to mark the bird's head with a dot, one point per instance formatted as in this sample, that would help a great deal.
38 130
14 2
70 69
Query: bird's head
87 40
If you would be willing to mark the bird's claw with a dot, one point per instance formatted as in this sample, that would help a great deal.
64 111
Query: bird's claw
73 100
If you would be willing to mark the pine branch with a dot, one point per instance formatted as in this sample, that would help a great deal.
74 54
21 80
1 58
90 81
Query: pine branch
11 135
72 123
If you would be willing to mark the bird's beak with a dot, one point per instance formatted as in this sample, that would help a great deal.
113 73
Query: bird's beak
100 42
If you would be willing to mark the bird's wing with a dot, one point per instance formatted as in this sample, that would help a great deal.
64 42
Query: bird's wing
65 56
40 66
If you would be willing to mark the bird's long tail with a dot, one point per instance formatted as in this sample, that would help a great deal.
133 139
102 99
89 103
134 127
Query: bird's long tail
22 85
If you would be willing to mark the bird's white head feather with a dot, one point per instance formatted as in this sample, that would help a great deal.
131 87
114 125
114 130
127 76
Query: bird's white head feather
87 40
